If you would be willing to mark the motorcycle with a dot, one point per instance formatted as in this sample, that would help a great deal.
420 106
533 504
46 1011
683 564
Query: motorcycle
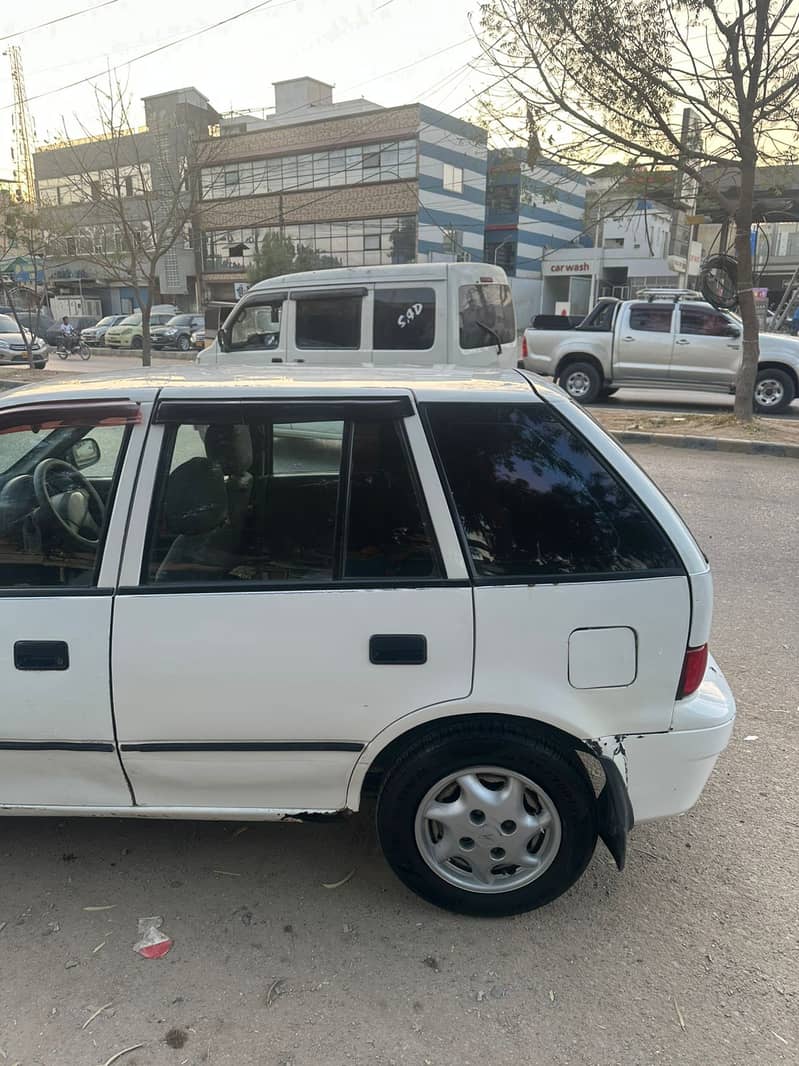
67 346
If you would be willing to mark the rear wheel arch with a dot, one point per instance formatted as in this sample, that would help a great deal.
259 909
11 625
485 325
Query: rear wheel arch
387 756
578 357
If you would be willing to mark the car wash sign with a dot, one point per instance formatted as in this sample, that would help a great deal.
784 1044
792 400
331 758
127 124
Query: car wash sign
576 266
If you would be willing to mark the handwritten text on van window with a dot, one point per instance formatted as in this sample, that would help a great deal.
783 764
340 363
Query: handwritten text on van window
408 316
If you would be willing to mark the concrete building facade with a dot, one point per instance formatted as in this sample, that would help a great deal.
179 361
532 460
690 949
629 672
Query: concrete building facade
146 163
348 184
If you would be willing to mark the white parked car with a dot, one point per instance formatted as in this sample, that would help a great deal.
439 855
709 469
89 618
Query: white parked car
257 595
410 314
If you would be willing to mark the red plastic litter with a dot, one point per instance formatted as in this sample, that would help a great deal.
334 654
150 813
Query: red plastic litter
152 943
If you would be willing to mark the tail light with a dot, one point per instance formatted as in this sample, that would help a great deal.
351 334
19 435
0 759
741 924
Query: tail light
693 670
525 351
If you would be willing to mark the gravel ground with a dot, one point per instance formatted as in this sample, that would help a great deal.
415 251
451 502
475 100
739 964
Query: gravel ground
689 957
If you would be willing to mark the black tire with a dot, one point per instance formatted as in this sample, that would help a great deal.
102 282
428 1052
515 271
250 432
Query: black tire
555 770
85 352
137 344
605 392
39 366
183 343
62 353
582 381
774 391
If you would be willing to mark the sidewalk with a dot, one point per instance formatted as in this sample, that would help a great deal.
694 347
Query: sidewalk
711 432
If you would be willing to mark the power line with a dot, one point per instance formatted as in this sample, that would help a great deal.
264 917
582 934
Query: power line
153 51
61 18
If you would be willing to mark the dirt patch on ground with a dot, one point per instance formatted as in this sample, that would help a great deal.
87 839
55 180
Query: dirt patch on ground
777 430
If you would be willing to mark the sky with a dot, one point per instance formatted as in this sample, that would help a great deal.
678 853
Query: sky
358 45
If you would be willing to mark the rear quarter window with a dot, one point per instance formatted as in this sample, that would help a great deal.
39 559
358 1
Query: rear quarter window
485 310
535 501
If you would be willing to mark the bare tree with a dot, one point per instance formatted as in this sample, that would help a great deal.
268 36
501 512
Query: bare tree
592 81
22 235
132 194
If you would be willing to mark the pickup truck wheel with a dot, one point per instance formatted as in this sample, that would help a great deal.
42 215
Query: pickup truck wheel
774 391
487 820
604 393
582 381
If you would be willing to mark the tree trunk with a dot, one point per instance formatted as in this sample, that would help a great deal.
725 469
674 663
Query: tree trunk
747 372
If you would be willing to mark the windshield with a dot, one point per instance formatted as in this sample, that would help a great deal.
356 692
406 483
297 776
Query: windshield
131 320
8 325
107 321
181 320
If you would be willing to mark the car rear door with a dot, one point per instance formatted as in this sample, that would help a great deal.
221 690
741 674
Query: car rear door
643 343
57 744
293 591
707 349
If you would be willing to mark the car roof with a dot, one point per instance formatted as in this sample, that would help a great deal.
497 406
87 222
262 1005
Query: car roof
434 383
363 275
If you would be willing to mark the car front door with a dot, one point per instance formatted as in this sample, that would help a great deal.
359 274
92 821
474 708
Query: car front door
707 350
643 343
292 592
66 471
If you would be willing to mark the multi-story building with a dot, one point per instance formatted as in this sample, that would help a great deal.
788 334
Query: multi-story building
531 212
348 184
144 165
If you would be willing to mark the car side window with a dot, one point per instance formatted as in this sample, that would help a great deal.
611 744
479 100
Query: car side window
276 502
701 320
404 319
329 322
57 486
535 501
257 326
649 318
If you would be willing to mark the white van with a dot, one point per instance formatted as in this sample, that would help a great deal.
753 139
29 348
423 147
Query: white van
421 314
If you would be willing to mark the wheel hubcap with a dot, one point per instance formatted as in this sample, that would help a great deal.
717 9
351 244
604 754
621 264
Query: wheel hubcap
769 392
578 384
485 829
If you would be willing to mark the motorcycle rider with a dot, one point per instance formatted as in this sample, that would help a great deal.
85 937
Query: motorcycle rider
68 334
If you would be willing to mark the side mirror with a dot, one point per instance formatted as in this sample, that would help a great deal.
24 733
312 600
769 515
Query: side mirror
85 452
732 331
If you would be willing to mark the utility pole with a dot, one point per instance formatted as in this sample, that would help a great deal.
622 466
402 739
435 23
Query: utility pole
23 130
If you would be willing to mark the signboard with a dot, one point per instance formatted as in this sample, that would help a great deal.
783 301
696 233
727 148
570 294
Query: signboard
576 267
694 258
562 307
240 288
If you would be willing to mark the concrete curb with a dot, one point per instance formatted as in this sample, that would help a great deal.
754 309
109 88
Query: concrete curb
710 444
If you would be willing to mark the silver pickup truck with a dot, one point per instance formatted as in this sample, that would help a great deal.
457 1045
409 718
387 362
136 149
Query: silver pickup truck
660 343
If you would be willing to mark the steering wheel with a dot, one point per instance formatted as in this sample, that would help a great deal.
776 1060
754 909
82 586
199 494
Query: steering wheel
71 509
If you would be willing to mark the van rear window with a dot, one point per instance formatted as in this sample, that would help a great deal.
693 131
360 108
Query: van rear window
486 313
535 501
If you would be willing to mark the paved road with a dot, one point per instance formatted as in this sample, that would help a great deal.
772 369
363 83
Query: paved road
700 927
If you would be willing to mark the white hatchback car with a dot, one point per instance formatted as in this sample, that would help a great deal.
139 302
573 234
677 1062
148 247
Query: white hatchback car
257 595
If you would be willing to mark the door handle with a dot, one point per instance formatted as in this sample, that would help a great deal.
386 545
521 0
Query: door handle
628 338
682 342
277 359
41 655
398 649
737 347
